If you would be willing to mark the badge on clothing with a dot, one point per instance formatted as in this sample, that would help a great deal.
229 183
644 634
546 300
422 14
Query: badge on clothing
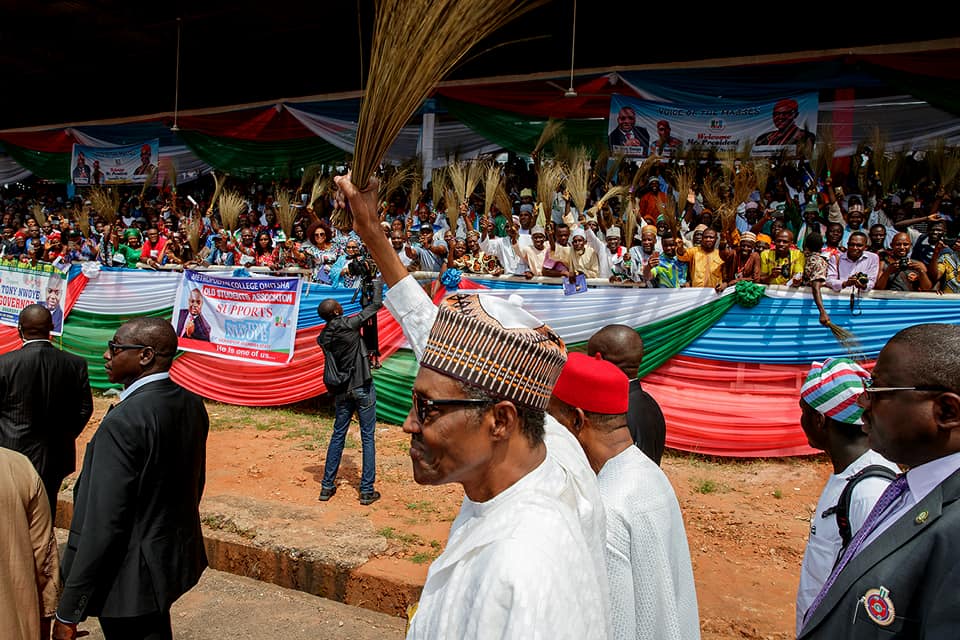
879 606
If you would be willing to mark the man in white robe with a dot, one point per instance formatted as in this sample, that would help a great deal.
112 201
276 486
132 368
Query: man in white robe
524 557
652 592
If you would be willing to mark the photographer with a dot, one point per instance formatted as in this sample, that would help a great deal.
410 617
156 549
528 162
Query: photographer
856 268
357 271
902 273
347 376
781 264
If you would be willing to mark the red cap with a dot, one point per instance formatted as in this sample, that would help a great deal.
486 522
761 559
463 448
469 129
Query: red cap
593 384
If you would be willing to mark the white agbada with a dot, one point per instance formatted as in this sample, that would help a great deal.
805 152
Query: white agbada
652 593
576 487
824 543
515 566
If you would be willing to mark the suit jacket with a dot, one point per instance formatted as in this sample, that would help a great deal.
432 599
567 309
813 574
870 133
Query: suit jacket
201 328
341 340
135 542
619 139
917 560
645 422
45 402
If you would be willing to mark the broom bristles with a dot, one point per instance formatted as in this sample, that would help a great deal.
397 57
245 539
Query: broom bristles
38 214
106 203
848 341
439 186
397 82
550 131
148 180
218 182
286 212
231 205
549 178
194 226
578 178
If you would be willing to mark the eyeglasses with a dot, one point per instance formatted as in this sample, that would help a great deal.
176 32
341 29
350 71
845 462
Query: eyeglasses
117 347
422 406
869 388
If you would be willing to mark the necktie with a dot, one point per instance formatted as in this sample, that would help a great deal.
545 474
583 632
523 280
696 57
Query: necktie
894 490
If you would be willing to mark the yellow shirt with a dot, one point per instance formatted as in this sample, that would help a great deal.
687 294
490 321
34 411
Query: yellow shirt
706 269
769 262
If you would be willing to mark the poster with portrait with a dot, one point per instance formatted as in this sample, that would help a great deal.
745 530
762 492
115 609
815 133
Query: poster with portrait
237 318
121 165
640 128
23 284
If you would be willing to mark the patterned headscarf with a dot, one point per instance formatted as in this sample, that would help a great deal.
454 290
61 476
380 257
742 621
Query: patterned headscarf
832 388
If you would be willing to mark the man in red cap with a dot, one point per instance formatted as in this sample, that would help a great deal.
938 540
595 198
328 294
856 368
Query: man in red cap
785 113
146 167
652 593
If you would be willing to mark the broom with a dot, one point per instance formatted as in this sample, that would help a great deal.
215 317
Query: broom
944 163
848 341
550 131
194 226
286 212
610 194
491 184
823 151
578 179
148 180
218 183
397 82
38 214
438 186
231 205
549 178
464 178
106 203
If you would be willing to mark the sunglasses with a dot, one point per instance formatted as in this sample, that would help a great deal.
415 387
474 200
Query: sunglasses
422 406
117 347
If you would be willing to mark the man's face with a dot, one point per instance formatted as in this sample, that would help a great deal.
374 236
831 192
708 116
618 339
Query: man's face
783 116
878 235
473 245
697 238
145 157
709 240
781 244
900 246
936 232
810 422
626 119
834 235
613 243
855 247
8 232
452 444
194 302
648 241
396 239
153 236
538 240
81 160
122 367
579 243
53 298
810 217
855 219
663 130
525 219
669 246
426 237
747 247
899 424
563 236
246 238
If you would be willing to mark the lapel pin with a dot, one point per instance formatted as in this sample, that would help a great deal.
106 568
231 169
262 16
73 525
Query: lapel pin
879 606
921 517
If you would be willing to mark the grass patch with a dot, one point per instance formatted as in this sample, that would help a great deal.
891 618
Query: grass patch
778 494
406 538
423 506
706 486
422 558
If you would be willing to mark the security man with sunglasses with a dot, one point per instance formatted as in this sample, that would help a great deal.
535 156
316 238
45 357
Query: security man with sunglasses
900 575
135 542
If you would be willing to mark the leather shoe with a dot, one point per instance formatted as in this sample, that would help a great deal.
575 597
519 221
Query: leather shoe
326 494
369 498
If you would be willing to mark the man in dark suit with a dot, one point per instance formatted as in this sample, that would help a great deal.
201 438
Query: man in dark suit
627 134
900 575
623 346
45 401
135 542
191 324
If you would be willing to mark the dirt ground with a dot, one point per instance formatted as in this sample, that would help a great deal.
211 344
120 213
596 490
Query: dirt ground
746 520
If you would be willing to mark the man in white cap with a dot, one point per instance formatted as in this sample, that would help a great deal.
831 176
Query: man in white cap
831 420
530 494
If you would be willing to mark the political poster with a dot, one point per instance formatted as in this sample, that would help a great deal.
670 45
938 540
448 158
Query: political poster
123 165
237 318
641 128
23 284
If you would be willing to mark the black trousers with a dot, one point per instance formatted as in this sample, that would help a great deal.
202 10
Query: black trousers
155 626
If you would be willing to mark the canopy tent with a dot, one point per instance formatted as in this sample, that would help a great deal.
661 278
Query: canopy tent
910 97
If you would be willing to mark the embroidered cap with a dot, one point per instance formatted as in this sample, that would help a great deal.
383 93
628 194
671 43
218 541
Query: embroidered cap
495 345
832 388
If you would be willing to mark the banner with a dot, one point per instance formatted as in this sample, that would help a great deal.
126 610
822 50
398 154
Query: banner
640 128
238 318
23 284
130 164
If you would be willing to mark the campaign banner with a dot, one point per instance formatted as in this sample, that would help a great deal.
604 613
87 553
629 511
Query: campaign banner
98 166
641 128
237 318
23 284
